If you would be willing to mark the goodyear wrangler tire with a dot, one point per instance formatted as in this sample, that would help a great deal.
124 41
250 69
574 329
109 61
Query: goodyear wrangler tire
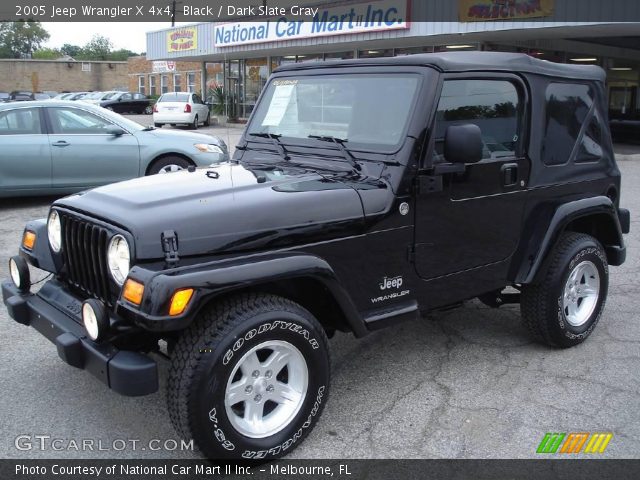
249 378
564 307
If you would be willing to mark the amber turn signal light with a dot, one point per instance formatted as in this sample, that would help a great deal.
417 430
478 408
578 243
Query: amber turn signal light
133 291
28 240
179 301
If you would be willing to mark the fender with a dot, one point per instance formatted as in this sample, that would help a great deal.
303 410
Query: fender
214 278
40 257
534 253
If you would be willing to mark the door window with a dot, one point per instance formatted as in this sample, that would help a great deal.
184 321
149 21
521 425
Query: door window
22 121
126 97
76 121
492 105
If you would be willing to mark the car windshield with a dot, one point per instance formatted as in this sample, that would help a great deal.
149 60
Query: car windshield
174 97
112 96
94 95
370 111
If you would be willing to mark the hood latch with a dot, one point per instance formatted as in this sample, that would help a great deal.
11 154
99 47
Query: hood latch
169 240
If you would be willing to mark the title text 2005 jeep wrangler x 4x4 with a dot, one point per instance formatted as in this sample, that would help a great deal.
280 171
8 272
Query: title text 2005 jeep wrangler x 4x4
361 193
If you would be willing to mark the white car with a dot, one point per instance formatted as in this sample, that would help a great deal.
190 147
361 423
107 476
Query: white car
181 108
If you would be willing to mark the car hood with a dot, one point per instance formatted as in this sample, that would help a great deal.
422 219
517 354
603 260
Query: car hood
182 135
226 208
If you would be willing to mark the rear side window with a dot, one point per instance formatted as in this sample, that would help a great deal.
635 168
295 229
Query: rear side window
492 105
571 124
22 121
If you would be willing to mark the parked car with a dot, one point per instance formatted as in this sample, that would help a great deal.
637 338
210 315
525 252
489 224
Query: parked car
54 147
20 96
184 108
96 98
625 128
127 102
63 96
76 96
362 194
4 96
41 96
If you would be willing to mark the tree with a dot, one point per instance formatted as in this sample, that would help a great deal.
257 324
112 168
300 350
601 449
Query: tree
121 55
98 48
21 39
47 54
71 50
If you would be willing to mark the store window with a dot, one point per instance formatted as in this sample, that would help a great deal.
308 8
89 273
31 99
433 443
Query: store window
164 83
191 82
141 88
376 52
152 85
348 55
567 109
399 52
177 82
492 105
256 72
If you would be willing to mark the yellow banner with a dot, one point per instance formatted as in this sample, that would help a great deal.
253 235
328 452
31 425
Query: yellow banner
486 10
182 39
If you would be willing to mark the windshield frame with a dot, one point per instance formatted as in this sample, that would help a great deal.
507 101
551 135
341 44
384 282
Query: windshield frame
384 149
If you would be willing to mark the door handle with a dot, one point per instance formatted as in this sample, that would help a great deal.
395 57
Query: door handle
61 143
509 173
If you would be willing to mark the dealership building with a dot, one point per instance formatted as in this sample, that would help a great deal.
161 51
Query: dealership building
239 56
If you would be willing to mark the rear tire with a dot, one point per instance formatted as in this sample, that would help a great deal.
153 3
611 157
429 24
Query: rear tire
168 165
241 357
564 307
194 125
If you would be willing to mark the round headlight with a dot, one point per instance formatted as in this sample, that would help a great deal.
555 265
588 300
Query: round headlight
95 319
118 258
54 231
19 271
90 321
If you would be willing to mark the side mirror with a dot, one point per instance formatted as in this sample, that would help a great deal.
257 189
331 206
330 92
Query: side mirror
115 131
463 144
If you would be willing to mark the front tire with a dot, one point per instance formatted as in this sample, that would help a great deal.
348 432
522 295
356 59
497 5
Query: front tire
249 378
168 165
564 307
194 125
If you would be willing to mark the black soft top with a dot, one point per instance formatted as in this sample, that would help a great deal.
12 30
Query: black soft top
468 62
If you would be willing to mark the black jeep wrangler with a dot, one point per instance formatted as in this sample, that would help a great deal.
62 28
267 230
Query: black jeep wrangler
362 193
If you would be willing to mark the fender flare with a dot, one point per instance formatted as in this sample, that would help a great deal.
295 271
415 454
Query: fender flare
533 254
216 278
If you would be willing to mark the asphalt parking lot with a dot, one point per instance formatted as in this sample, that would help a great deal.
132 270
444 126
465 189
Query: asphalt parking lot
467 383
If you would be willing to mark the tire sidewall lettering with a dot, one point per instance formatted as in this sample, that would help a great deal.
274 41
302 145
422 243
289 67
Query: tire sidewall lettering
269 327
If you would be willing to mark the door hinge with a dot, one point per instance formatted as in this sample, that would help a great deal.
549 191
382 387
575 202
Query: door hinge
429 184
411 254
169 240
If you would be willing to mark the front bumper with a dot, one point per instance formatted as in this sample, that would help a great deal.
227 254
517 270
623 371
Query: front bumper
126 372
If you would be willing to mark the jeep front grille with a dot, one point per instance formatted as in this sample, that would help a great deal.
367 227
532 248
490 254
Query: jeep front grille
84 251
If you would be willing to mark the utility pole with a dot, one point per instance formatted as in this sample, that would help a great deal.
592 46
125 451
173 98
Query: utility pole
173 14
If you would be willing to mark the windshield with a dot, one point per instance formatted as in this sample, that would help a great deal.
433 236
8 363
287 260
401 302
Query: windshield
93 95
174 97
368 111
112 95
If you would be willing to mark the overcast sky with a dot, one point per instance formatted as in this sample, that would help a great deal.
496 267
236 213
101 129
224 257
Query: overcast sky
130 35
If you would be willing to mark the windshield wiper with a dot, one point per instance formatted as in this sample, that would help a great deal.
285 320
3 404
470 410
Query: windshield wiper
348 156
275 139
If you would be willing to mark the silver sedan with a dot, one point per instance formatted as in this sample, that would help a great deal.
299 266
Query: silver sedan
56 147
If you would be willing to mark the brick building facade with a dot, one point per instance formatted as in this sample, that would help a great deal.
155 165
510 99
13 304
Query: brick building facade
155 78
61 75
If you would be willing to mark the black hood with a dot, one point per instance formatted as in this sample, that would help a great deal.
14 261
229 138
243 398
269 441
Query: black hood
226 208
